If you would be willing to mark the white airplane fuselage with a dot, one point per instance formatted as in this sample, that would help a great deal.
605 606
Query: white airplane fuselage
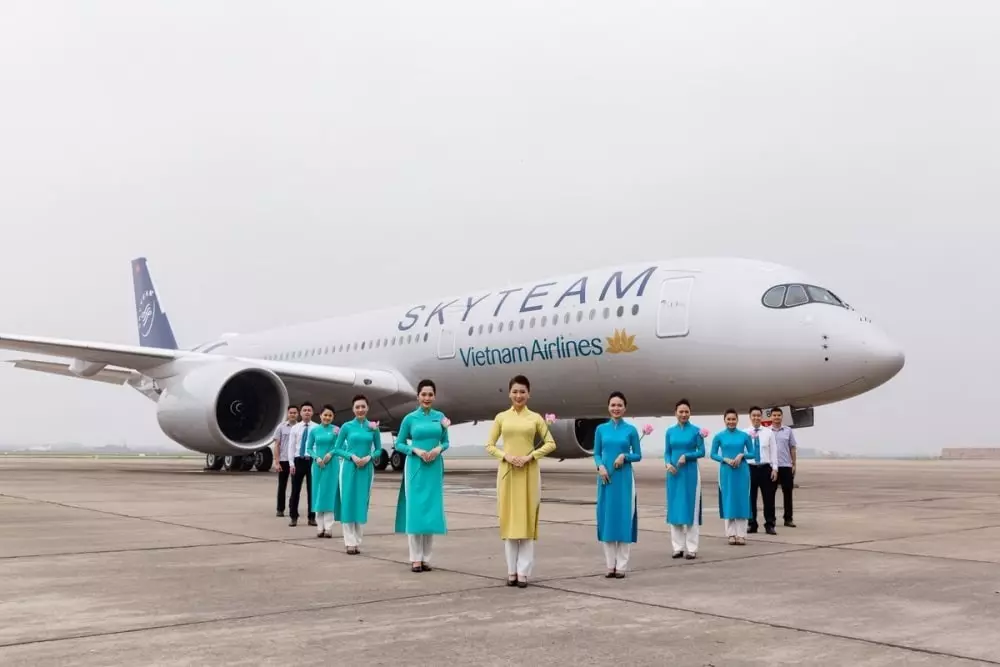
658 331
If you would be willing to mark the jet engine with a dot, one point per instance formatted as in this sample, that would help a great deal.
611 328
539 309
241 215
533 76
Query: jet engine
222 407
574 437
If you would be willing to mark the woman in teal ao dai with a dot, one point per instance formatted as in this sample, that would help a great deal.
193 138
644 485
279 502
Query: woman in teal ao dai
616 448
357 443
423 437
684 445
325 472
731 448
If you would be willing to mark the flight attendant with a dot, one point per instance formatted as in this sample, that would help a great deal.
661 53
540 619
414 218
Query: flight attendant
519 482
731 448
357 443
616 448
325 471
684 445
420 506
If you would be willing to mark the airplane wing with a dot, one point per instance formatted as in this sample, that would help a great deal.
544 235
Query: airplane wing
109 375
302 380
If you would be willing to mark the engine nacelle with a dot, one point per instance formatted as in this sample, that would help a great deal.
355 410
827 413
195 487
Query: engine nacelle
574 437
223 407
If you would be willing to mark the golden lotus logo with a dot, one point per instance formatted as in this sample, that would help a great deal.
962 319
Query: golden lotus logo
621 343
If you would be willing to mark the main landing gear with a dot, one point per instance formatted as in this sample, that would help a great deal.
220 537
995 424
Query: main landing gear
261 460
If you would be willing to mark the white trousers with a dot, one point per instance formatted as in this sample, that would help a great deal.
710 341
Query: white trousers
353 532
736 527
616 555
685 538
420 548
520 556
324 522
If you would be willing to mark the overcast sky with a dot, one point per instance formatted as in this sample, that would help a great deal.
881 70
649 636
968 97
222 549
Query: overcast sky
285 161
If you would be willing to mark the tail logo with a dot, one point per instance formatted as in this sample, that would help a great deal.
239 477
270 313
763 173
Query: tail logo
147 312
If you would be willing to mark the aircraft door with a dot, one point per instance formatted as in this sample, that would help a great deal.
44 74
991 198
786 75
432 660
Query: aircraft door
446 344
673 313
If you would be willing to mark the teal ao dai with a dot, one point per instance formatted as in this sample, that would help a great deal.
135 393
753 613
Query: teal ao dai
684 486
325 479
734 483
617 509
356 438
420 505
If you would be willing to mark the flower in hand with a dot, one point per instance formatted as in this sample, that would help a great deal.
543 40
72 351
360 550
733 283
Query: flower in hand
647 429
703 432
550 418
445 422
374 425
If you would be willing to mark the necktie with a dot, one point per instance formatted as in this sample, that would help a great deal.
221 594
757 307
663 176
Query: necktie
302 445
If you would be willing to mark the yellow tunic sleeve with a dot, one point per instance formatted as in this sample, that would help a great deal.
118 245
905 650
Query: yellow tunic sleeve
491 442
548 443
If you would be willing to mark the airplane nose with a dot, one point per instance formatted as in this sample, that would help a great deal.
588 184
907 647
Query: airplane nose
885 359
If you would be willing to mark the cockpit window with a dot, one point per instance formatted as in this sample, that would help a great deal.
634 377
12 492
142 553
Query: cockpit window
774 297
820 295
796 296
790 296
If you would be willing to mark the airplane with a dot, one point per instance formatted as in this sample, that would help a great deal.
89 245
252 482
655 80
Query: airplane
721 332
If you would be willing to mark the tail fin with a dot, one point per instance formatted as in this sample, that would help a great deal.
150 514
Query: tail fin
154 326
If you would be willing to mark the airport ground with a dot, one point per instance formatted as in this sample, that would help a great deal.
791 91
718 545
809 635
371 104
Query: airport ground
156 562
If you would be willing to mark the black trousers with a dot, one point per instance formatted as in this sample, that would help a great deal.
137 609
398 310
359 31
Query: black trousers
282 484
303 473
760 479
786 479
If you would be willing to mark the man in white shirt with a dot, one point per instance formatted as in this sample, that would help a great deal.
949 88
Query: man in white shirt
282 464
301 465
763 472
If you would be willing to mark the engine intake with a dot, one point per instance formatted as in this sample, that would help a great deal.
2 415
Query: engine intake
574 437
222 407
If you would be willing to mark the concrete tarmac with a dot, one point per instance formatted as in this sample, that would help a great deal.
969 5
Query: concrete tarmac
156 562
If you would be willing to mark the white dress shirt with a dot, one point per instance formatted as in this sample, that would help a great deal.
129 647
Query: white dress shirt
296 447
284 436
768 448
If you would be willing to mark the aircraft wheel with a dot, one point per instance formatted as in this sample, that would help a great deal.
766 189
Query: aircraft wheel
397 460
263 459
381 460
246 462
231 463
213 462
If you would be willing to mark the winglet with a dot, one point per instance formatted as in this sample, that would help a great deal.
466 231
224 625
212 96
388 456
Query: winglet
152 322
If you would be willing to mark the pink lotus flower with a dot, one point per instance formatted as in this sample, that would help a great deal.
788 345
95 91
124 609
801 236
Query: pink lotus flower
647 429
374 425
445 422
550 418
336 430
703 432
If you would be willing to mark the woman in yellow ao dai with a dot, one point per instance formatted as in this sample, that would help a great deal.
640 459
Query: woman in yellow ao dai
519 482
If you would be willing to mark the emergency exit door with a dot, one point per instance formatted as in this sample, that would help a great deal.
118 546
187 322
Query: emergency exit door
673 314
446 344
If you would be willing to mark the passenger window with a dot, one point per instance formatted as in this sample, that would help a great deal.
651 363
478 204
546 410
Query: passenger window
545 320
774 297
796 296
566 319
490 329
621 310
500 328
471 330
607 313
635 309
579 316
532 324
